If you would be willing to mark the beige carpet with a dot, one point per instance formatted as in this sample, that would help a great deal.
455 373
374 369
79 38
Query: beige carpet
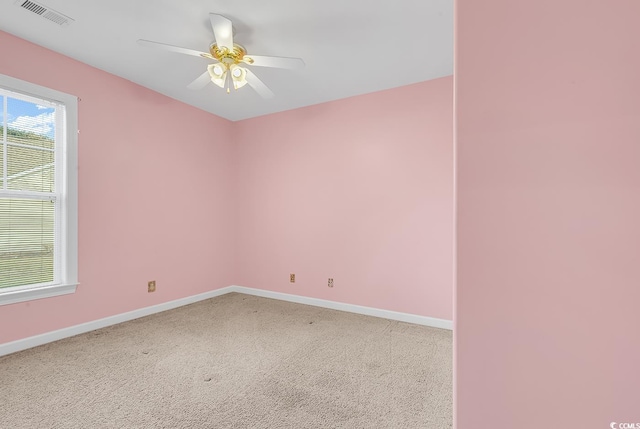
236 361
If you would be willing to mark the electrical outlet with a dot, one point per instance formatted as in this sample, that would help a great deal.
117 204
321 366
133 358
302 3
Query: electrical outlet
330 283
292 278
151 286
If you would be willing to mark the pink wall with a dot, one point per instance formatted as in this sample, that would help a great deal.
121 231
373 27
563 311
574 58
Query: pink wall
548 170
155 195
360 190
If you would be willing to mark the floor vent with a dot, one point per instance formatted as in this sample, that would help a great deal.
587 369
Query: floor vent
45 12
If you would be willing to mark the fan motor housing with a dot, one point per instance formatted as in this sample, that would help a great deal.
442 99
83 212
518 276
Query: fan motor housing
226 55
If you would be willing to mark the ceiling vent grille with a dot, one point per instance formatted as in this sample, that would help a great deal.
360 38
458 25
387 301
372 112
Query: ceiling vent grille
45 12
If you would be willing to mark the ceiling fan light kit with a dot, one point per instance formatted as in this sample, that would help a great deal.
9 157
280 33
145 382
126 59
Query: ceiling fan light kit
221 74
229 70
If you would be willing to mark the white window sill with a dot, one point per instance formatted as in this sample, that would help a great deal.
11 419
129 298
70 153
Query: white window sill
21 295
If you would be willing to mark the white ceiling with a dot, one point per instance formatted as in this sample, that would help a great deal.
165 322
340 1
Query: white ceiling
350 47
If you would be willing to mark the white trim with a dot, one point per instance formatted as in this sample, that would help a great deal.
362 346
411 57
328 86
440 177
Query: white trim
69 240
37 340
17 294
33 92
351 308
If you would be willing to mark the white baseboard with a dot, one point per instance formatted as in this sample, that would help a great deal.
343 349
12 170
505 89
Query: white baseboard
38 340
351 308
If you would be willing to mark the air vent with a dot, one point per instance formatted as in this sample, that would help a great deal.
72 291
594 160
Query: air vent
45 12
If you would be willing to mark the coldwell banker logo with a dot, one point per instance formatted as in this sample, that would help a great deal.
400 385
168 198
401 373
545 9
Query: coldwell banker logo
615 425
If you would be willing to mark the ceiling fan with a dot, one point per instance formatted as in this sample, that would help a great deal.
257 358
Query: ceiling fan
229 69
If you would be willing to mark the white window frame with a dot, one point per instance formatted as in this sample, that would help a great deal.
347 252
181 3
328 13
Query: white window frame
67 159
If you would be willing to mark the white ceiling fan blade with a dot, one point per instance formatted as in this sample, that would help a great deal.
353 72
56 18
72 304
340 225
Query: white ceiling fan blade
278 62
201 81
258 85
172 48
222 30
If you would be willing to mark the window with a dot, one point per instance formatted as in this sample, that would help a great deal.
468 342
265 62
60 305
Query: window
38 191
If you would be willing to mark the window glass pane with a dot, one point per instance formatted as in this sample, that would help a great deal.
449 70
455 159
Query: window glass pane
1 166
26 241
30 123
29 169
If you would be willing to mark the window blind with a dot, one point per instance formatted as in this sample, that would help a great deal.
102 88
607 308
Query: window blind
28 198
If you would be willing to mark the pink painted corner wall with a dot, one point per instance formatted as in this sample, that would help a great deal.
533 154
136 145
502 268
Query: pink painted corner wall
548 201
359 190
155 195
